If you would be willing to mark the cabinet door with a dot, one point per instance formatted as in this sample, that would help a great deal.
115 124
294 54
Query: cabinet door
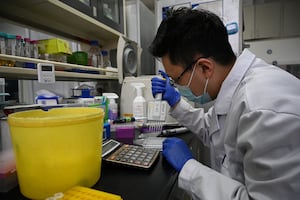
86 6
110 12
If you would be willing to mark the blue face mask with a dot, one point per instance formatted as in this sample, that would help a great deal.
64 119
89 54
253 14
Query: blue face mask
187 92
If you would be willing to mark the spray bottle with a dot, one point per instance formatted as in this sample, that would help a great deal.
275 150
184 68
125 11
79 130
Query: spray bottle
112 105
139 106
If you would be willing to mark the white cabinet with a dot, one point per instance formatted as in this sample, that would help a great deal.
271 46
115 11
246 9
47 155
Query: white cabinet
291 16
267 23
274 19
249 21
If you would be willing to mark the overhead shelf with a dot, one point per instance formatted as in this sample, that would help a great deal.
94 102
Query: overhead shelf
57 17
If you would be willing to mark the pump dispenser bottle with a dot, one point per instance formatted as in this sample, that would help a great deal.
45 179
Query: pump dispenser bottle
139 106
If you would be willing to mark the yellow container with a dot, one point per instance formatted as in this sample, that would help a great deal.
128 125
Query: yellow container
54 46
56 149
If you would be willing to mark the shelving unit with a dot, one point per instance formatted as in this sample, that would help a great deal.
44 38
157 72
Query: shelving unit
25 73
56 17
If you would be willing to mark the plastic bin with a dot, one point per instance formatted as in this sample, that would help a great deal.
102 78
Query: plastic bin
56 149
54 46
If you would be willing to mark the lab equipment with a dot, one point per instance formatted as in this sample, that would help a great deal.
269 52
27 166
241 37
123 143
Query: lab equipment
46 73
10 44
128 95
46 97
52 46
2 43
112 105
151 142
133 156
79 193
66 148
176 152
106 131
105 61
165 86
125 133
78 57
139 106
174 131
128 58
19 45
94 54
123 120
83 91
26 47
2 91
157 112
34 52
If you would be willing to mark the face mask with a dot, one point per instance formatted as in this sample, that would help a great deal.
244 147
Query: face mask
187 92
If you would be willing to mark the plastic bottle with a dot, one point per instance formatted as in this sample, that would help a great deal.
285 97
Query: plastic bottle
112 105
139 103
112 109
94 54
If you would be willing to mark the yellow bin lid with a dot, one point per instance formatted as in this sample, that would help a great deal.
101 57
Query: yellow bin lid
55 117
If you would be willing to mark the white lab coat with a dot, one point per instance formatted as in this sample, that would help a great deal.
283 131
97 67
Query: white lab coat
253 131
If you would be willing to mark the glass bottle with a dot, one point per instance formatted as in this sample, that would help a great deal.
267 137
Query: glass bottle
106 60
2 43
94 54
10 48
10 44
2 47
19 46
26 48
34 49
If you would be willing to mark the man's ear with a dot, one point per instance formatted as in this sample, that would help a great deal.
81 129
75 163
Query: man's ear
207 66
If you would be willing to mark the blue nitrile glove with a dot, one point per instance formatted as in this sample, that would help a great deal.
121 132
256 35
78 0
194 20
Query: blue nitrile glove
164 86
176 152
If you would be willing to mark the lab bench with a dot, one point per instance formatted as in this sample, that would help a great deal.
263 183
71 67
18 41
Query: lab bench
159 182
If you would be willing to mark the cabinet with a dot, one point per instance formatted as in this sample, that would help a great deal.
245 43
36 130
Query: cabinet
269 20
56 17
109 12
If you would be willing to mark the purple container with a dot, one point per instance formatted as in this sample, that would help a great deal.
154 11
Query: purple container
125 134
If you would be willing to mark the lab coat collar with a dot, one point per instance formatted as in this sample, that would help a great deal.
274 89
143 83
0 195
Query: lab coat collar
230 84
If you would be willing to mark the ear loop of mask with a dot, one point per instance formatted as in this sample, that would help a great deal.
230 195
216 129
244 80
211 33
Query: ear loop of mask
192 75
205 87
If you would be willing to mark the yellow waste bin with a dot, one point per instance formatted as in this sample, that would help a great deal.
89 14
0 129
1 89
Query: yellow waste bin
56 149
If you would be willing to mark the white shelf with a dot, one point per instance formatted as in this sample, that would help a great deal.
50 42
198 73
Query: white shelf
25 73
56 17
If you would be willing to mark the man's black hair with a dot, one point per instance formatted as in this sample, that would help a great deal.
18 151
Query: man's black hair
186 32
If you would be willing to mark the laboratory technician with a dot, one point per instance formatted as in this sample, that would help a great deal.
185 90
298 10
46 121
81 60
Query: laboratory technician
253 128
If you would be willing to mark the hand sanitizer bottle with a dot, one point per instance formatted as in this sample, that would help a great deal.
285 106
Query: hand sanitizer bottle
139 103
